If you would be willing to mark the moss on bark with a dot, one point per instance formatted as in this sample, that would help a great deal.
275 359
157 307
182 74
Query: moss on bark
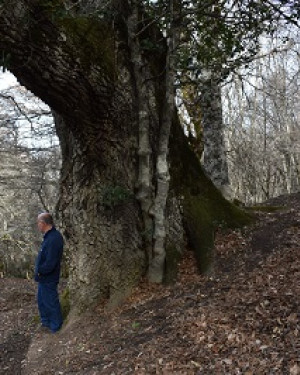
95 42
173 257
204 207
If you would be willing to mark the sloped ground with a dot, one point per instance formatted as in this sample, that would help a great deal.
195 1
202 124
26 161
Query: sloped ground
17 306
242 319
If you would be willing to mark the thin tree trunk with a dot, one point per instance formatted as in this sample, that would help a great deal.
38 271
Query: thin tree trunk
214 156
157 264
144 184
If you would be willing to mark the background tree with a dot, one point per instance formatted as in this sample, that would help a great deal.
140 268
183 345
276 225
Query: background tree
30 162
262 114
219 38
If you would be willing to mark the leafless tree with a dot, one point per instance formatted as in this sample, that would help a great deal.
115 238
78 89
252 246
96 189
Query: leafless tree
29 169
262 116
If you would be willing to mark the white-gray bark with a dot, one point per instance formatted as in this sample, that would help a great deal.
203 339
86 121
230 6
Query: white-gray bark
156 268
214 156
144 185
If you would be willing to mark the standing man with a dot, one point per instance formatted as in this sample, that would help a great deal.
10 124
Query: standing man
47 272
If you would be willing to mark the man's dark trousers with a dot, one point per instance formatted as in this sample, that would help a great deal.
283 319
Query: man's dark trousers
49 306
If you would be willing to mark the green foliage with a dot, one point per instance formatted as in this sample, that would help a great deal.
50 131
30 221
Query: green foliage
115 195
220 35
136 325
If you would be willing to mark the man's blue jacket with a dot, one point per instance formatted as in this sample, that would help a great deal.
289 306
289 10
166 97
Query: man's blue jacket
47 265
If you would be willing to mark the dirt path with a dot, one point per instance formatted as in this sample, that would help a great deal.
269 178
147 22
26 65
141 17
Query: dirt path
17 309
244 319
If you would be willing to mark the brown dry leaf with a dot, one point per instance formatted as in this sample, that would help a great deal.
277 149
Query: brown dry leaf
295 370
241 319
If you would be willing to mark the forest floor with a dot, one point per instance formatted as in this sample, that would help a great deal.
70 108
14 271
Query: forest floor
241 319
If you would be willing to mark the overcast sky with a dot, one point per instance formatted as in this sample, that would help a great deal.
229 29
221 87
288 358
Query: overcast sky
37 132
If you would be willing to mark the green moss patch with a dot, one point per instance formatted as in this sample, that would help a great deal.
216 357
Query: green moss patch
89 40
204 207
265 208
93 41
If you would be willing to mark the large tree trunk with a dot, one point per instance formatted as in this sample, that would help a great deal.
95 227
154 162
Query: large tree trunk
100 216
81 68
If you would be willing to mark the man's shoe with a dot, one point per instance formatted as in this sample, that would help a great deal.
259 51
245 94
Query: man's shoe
43 329
56 330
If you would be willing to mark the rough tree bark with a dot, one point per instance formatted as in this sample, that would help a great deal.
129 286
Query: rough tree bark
141 76
214 156
82 68
156 266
